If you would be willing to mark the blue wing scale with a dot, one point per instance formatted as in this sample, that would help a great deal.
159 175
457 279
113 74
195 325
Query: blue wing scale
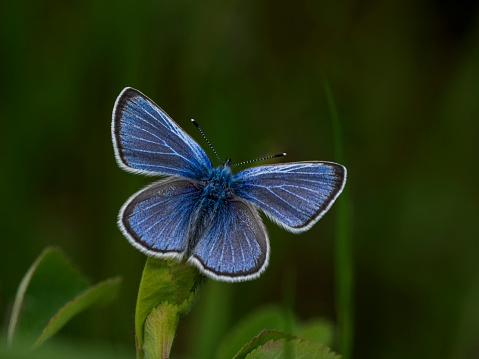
148 141
235 246
295 195
156 219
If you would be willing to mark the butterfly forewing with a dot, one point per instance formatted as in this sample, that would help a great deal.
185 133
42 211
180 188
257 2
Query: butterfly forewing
235 247
295 195
147 140
156 219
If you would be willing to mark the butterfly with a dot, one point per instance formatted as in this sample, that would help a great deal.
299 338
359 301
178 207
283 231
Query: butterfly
209 215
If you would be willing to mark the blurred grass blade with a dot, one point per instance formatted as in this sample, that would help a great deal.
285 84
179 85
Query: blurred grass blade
344 259
273 344
167 291
213 318
50 294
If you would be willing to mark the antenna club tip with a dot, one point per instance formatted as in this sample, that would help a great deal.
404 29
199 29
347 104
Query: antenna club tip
284 153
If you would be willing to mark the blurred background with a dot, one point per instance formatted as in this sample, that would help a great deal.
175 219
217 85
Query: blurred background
405 80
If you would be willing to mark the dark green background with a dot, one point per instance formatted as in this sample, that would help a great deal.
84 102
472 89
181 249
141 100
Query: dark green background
405 77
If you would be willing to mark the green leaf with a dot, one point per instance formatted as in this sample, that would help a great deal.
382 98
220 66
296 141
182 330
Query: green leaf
259 340
317 331
102 292
61 349
50 294
298 349
275 345
271 317
164 283
160 328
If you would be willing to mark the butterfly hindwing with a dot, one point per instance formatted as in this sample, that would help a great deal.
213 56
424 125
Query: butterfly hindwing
156 219
235 246
148 141
295 195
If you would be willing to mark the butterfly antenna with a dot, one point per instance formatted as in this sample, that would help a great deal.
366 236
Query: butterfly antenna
260 159
208 142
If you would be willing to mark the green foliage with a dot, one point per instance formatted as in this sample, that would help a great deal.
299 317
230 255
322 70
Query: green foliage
275 344
272 318
265 318
60 350
159 331
49 295
167 292
316 330
101 292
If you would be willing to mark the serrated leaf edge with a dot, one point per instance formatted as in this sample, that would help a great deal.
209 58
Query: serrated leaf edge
287 338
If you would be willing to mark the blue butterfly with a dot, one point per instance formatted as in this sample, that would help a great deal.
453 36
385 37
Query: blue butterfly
205 214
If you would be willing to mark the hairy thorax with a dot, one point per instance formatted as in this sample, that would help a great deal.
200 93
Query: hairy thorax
218 186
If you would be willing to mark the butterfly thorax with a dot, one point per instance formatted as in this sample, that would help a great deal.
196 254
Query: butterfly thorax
218 185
